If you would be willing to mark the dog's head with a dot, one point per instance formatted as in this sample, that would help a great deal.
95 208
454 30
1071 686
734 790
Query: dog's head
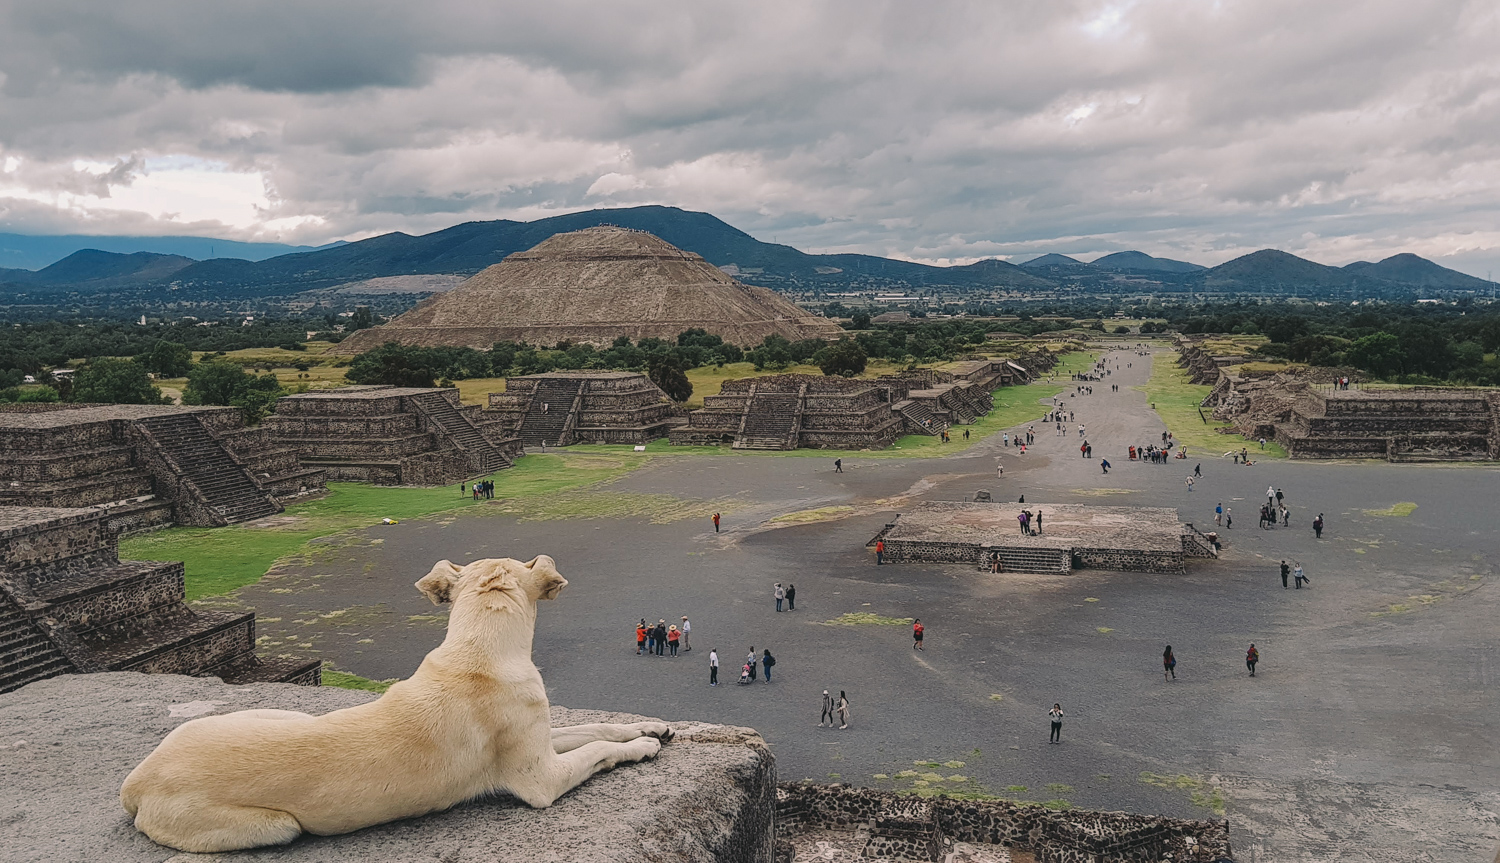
497 584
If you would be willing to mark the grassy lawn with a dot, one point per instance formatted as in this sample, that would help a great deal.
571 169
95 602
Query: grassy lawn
221 559
1176 402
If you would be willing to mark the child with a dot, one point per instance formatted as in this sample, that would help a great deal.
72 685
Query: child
745 674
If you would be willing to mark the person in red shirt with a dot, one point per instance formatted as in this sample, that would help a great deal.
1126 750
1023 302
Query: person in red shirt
640 637
916 634
716 522
879 552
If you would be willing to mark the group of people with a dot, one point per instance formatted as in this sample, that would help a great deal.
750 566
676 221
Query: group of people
661 639
1295 571
786 594
1031 524
481 490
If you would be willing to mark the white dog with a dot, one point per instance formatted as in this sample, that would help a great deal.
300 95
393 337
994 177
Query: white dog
472 720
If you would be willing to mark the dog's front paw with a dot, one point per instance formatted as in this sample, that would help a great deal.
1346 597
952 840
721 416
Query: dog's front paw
644 748
659 730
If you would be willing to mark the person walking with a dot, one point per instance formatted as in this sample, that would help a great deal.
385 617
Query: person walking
879 552
1056 715
1318 526
687 631
1270 494
827 714
917 629
843 709
768 660
780 593
1219 513
1228 519
674 636
661 637
640 637
1279 497
751 659
716 522
838 465
1190 484
791 597
1168 664
1104 463
1299 576
1198 469
713 667
1285 571
1252 656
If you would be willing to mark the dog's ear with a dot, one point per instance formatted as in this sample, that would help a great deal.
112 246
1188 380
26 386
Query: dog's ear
438 584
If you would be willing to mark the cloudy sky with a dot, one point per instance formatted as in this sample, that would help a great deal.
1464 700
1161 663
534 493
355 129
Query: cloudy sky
944 132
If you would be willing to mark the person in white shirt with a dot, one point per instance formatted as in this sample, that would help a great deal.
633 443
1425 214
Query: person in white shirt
1056 714
686 629
713 668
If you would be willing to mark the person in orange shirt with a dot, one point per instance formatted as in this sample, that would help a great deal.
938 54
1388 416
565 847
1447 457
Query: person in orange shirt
879 552
916 634
640 637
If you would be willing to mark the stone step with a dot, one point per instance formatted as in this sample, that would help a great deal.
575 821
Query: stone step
39 667
179 641
249 668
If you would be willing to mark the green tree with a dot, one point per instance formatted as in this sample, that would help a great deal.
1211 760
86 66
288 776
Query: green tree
1378 353
844 358
665 372
114 381
861 320
393 364
167 359
362 319
774 352
220 382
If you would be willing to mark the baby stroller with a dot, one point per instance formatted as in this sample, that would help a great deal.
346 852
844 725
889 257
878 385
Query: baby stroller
745 674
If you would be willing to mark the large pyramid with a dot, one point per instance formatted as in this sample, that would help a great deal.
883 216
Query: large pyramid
593 286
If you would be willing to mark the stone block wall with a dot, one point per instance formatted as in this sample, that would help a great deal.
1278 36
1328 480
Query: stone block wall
1071 836
1128 560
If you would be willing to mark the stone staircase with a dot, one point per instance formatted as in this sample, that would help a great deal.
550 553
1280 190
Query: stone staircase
771 421
68 604
484 457
919 418
225 487
1020 558
552 405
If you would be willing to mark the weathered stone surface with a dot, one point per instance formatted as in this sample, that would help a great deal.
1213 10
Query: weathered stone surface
67 743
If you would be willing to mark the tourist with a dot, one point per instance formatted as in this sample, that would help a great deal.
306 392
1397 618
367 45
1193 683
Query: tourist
750 660
650 638
827 712
767 661
838 465
879 552
1299 576
1219 513
843 708
1056 715
1104 464
994 561
1285 571
673 637
747 673
713 667
999 469
791 597
1038 521
1197 468
1318 526
1189 484
640 637
1005 438
780 593
1228 519
1022 518
687 630
1270 494
661 637
1168 664
1252 656
916 634
1286 517
1278 497
716 522
966 434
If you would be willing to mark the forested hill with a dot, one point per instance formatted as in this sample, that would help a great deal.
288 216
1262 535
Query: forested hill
472 246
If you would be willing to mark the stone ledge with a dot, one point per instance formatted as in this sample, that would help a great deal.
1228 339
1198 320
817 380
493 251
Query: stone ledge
67 743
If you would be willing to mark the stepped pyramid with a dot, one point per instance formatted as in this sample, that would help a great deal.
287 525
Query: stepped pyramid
593 286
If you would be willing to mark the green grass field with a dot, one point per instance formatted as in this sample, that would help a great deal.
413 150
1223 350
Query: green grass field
221 559
1176 400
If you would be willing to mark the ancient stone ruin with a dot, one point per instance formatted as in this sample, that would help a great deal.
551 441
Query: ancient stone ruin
783 412
1120 538
391 435
147 465
594 286
69 605
563 408
837 822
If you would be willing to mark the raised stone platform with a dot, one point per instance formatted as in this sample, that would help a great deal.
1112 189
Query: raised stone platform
1396 425
150 465
1125 538
391 435
68 604
69 742
563 408
783 412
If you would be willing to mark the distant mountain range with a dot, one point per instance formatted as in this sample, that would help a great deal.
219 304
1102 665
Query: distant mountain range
470 247
24 252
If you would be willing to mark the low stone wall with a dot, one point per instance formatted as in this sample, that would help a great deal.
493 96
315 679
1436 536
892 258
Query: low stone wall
1053 837
1128 560
708 797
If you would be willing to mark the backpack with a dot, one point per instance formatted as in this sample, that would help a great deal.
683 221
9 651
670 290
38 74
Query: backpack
770 661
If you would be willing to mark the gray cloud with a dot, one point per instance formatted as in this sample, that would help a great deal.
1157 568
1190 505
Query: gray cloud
1187 128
